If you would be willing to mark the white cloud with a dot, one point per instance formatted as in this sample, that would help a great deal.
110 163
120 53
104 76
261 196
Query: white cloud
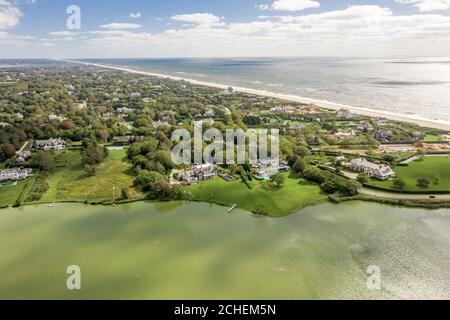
290 5
110 32
64 33
47 44
198 18
134 15
356 30
428 5
121 26
9 15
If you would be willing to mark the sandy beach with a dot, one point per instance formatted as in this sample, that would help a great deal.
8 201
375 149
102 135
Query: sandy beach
320 103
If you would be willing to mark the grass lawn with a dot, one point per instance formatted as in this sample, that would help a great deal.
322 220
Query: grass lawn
430 167
296 193
9 195
432 138
69 182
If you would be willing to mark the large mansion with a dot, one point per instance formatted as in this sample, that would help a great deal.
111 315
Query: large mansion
51 144
198 173
14 174
379 171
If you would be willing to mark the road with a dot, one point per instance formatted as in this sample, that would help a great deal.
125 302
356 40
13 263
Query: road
404 196
23 147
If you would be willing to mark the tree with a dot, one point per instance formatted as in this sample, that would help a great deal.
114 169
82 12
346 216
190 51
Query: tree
299 165
424 182
67 125
93 155
7 151
389 158
350 187
363 178
160 189
335 183
398 184
44 160
145 179
140 161
313 174
164 158
125 193
302 151
329 186
142 148
278 179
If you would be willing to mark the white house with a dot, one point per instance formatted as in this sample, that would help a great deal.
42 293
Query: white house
51 144
383 135
82 105
209 113
346 114
283 109
22 156
266 167
341 136
124 110
365 126
54 117
198 173
379 171
14 174
107 115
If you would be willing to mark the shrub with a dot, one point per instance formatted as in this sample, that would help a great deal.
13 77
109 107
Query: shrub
424 182
299 165
398 184
278 179
363 178
125 193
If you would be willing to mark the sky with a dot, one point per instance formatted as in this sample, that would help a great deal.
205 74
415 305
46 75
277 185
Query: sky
219 28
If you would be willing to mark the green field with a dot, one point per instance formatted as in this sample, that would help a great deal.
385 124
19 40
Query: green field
432 138
295 194
69 182
9 195
430 167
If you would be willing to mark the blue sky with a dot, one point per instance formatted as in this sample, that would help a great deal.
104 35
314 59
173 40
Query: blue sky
177 28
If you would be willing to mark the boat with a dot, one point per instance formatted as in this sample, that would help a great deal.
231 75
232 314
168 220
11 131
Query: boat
232 208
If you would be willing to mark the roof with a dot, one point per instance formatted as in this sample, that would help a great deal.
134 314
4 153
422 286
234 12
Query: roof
367 164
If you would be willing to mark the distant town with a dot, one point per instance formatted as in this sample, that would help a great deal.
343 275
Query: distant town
86 134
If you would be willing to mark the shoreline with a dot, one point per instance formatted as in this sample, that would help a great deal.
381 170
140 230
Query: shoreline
318 102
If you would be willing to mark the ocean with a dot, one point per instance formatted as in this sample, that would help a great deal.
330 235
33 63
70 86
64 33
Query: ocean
417 88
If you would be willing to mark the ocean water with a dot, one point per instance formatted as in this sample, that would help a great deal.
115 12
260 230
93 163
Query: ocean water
182 250
418 88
